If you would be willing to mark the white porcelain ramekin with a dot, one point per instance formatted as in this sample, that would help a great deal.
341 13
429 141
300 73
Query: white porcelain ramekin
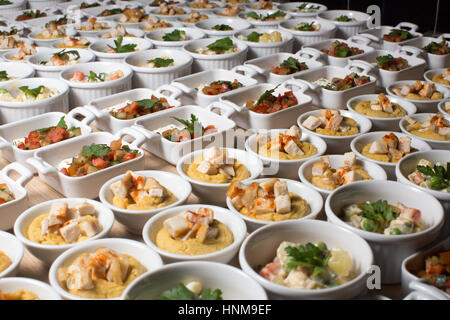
16 70
207 25
100 48
430 74
434 61
292 9
14 249
41 289
156 37
346 29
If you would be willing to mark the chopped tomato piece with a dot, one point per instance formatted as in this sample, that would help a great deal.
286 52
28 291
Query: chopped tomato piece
64 171
57 134
129 156
116 145
99 163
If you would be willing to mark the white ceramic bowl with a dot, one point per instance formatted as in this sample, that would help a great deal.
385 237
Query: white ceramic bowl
203 62
359 142
260 49
170 23
389 250
337 144
430 74
156 37
192 25
134 220
155 77
234 283
147 257
157 12
14 249
279 167
132 33
207 25
42 42
312 197
337 161
293 9
16 70
46 162
262 65
346 29
382 124
82 93
53 71
263 24
233 222
100 47
20 129
45 252
260 248
434 61
302 38
21 39
13 7
421 117
7 56
94 33
14 111
173 151
441 107
215 193
335 99
218 4
408 164
41 289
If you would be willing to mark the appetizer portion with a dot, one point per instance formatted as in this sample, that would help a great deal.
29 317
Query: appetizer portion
193 233
220 86
46 136
93 25
269 103
276 16
231 10
135 109
305 8
64 225
437 271
330 122
269 200
110 12
309 266
132 15
418 91
389 63
191 291
135 192
203 4
381 108
305 26
101 274
62 58
439 48
285 146
93 77
97 157
431 176
289 66
32 14
382 217
328 178
10 42
74 42
264 5
397 35
5 261
215 166
116 32
338 84
59 22
340 49
175 35
18 295
443 78
166 9
191 129
435 128
26 50
195 17
389 148
220 46
344 18
51 31
28 95
4 76
265 37
222 27
153 23
121 48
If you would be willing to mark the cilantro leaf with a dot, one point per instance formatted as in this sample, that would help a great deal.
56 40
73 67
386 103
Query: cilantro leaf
274 15
128 149
160 62
254 15
254 36
175 35
3 75
221 45
62 123
119 48
384 59
290 63
208 294
305 26
343 18
439 175
96 150
147 103
65 55
402 33
180 292
379 211
193 125
93 77
222 27
265 95
31 92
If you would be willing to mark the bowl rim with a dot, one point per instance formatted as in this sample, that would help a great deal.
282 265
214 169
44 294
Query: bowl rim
193 31
174 68
285 38
14 264
146 44
44 286
344 11
223 56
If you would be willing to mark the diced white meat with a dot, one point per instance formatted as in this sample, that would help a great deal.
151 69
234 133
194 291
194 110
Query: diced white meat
90 227
44 226
119 189
334 122
409 120
213 155
138 195
299 280
280 188
234 189
293 149
405 90
444 131
349 159
294 131
80 279
395 154
83 209
228 171
156 192
57 213
378 147
319 168
311 123
71 231
326 160
388 108
237 203
262 139
268 185
249 195
176 226
404 144
416 86
427 90
351 176
375 106
117 271
283 203
264 205
397 91
207 167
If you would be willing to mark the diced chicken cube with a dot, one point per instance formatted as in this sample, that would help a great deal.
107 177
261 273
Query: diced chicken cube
417 85
249 195
268 185
71 231
237 203
264 205
138 195
176 226
90 227
80 280
280 188
311 123
234 189
391 140
119 189
84 208
319 168
409 120
405 90
375 106
351 176
349 159
207 167
228 171
293 149
404 144
201 233
294 131
214 155
379 147
283 204
444 131
388 108
395 154
427 90
156 192
118 270
57 213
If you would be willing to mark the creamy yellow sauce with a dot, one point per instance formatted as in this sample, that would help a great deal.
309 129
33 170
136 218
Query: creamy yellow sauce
414 96
439 79
380 156
299 209
350 122
308 149
19 295
192 246
5 261
62 46
364 108
322 182
429 134
146 203
41 36
241 173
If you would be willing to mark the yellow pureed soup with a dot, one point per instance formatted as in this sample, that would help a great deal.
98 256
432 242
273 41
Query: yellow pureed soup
389 148
18 295
5 261
380 109
435 128
330 122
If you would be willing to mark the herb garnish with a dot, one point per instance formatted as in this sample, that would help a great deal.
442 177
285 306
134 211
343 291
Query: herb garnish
343 18
385 59
123 48
93 77
180 292
65 55
62 123
306 26
273 15
31 92
439 175
254 36
161 62
34 14
264 96
5 2
402 33
193 125
96 150
147 103
291 63
314 256
3 75
221 45
175 35
222 27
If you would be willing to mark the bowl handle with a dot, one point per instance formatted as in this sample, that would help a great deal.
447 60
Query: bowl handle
428 290
245 70
407 26
149 135
309 53
409 51
371 37
360 40
175 90
4 144
224 109
256 69
138 137
309 86
88 115
25 173
444 36
359 66
41 165
300 85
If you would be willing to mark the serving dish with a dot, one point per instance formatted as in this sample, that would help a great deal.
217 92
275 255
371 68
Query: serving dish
100 48
235 224
16 71
13 7
389 250
157 12
433 60
156 37
14 250
207 26
303 9
39 288
234 284
431 74
47 253
263 21
346 29
48 161
260 247
107 24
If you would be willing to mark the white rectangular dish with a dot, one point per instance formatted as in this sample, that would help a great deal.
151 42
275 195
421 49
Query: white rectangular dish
97 111
173 151
48 161
434 61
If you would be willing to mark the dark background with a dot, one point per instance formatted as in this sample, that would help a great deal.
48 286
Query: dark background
422 13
